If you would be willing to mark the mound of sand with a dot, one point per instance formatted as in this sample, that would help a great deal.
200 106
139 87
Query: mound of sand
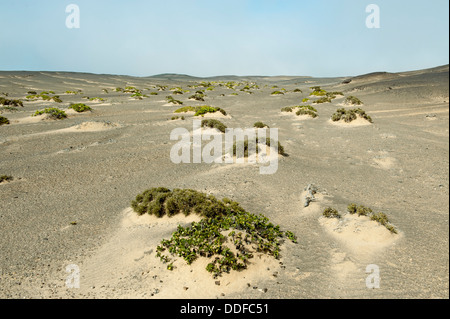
359 233
355 123
129 257
93 126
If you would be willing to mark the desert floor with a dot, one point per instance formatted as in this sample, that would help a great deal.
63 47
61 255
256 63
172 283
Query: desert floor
74 179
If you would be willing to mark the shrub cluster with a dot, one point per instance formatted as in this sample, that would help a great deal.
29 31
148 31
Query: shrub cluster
53 113
352 100
5 178
212 123
170 99
260 124
3 120
80 107
350 115
8 102
380 217
225 224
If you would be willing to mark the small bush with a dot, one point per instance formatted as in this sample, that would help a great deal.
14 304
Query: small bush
185 109
8 102
277 93
260 125
247 233
53 113
350 115
214 124
305 100
170 99
198 97
352 100
298 90
3 120
80 107
287 109
202 110
380 217
323 100
331 213
5 178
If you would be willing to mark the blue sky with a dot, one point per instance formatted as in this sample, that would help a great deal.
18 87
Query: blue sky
240 37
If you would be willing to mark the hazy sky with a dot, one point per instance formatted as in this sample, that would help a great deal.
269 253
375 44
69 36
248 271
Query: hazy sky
217 37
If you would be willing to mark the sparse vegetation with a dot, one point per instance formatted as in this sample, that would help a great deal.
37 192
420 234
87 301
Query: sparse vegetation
331 213
353 100
170 99
198 96
380 217
5 178
185 109
8 102
260 125
3 120
80 107
177 117
277 93
350 115
202 110
225 225
324 99
54 113
212 123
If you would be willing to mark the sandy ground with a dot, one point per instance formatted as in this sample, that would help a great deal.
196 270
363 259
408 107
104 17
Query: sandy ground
74 179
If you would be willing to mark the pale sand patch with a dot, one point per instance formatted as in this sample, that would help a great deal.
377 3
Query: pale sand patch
355 123
89 127
360 234
385 162
214 115
30 119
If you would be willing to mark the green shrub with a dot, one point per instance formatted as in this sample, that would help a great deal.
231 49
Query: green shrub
260 125
170 99
305 100
99 99
248 233
331 213
277 93
287 109
214 124
298 90
32 92
185 109
56 99
198 97
323 100
53 113
306 112
5 178
202 110
8 102
3 120
352 100
80 107
350 115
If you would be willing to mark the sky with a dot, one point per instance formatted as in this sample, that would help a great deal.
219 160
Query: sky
322 38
